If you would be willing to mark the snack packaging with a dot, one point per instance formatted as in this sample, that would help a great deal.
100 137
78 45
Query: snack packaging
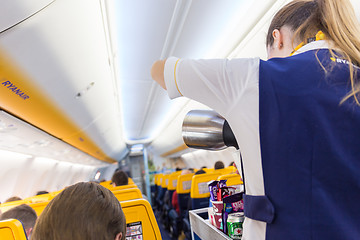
222 183
213 189
225 192
233 203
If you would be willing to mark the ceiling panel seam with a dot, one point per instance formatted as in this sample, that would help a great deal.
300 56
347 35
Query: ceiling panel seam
181 11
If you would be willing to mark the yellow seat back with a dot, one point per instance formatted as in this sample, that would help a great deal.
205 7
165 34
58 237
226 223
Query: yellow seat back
140 220
40 198
160 179
123 187
106 184
131 181
12 229
127 194
156 177
173 178
165 180
232 180
184 183
56 193
208 170
227 170
199 187
39 206
9 205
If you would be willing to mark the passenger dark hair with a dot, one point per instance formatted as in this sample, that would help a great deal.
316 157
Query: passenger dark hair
120 178
178 169
199 172
12 199
219 165
335 18
231 164
25 214
82 211
41 193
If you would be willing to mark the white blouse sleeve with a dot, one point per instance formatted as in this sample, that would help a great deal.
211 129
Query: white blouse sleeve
218 83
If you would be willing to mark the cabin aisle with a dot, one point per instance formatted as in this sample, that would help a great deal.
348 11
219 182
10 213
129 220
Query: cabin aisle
165 235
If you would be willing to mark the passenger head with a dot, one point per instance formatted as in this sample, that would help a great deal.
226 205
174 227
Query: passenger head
12 199
199 172
300 20
119 178
41 193
219 165
82 211
25 214
187 171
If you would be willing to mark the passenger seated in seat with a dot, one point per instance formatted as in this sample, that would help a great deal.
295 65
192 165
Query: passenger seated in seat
25 214
82 211
12 199
41 193
174 199
190 201
119 178
219 165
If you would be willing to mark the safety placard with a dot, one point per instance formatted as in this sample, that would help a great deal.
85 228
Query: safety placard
186 185
134 231
203 188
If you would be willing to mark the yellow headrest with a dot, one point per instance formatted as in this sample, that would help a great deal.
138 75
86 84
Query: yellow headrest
208 170
106 184
227 170
140 217
232 179
8 205
184 183
56 193
39 207
131 181
123 187
127 194
173 180
199 187
12 229
40 198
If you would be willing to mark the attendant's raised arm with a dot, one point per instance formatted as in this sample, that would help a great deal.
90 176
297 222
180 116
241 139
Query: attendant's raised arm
157 72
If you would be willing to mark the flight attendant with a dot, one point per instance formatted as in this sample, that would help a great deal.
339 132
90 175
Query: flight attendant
296 118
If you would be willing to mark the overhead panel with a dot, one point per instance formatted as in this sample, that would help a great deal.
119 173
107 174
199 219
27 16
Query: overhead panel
13 12
142 29
60 58
20 137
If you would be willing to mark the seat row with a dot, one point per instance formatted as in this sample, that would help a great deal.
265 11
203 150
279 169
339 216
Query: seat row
138 212
192 193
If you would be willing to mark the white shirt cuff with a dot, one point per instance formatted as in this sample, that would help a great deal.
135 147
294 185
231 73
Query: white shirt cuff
170 77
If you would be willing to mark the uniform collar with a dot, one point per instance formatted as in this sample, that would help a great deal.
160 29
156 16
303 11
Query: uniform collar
320 44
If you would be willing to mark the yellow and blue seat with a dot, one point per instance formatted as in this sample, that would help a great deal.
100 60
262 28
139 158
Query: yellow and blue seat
199 189
12 229
233 180
127 194
140 220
